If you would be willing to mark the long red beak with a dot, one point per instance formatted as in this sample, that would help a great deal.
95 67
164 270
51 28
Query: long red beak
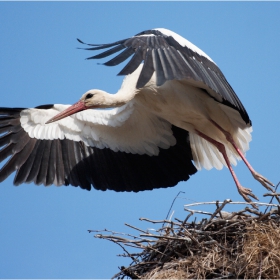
75 108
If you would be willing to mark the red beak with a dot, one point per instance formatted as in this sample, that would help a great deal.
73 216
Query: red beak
75 108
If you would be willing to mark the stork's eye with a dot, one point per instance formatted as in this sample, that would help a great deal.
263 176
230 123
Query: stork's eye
89 95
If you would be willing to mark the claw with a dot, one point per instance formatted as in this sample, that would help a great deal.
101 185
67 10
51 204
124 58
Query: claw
265 182
254 205
245 193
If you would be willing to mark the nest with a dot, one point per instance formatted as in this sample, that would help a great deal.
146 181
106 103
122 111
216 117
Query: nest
227 245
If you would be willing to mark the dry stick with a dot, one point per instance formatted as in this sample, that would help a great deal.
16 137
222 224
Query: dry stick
217 205
183 223
134 266
218 210
198 212
268 214
158 221
253 211
166 255
154 249
224 228
239 213
132 254
137 246
220 222
189 235
233 202
172 205
124 240
273 197
186 219
125 251
127 272
135 228
271 194
112 232
166 237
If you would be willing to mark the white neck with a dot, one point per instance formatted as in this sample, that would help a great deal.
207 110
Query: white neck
118 99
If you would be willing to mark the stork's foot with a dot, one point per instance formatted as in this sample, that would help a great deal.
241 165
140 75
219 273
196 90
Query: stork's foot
265 182
245 193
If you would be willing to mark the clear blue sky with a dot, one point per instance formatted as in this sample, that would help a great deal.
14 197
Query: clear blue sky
44 230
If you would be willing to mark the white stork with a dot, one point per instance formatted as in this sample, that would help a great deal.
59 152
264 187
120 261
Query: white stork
174 108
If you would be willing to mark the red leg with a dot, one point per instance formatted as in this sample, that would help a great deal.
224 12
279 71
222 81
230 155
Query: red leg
265 182
243 191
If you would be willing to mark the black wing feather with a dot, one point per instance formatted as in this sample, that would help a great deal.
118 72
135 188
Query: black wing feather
120 57
65 162
42 174
52 164
108 52
32 177
60 166
158 67
147 70
17 159
73 175
132 65
24 172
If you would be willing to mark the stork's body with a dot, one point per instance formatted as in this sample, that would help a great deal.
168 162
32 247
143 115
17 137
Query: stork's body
192 112
174 108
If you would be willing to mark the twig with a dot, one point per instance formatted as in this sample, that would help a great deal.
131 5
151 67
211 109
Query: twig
158 221
233 203
265 216
273 197
271 194
134 259
186 219
123 240
198 212
189 235
183 222
135 228
226 201
172 205
166 237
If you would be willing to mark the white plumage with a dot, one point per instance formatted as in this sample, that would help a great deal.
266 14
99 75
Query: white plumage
174 108
183 42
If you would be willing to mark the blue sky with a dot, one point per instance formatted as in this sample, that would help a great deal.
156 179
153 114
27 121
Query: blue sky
44 230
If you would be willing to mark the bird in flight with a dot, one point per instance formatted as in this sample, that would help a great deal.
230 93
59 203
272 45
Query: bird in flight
174 114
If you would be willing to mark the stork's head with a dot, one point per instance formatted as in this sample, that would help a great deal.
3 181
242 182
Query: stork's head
93 98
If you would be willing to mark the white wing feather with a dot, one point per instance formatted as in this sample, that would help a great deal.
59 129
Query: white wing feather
206 155
126 129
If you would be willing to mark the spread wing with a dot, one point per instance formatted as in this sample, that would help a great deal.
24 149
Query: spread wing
106 149
171 57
